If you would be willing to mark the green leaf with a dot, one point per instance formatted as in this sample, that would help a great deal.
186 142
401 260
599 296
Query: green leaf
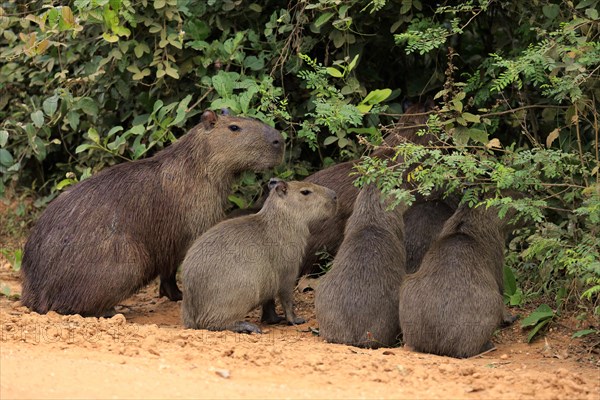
254 63
457 104
140 49
158 4
334 72
584 332
83 147
93 135
172 72
72 118
255 7
377 96
88 106
64 183
238 201
352 63
478 135
342 142
551 11
17 260
224 82
591 13
39 148
141 74
510 282
330 139
585 3
138 130
3 138
536 329
323 18
38 118
50 105
110 38
471 117
364 108
6 158
541 313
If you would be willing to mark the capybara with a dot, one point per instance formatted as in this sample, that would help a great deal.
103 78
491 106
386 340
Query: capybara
453 303
356 301
246 262
113 233
423 220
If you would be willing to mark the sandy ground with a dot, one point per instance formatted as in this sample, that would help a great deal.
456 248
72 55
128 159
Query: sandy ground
144 352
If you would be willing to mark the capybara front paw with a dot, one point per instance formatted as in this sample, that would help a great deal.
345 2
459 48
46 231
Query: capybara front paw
272 319
297 321
245 327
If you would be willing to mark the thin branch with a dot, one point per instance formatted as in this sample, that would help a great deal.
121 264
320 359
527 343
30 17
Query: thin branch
204 96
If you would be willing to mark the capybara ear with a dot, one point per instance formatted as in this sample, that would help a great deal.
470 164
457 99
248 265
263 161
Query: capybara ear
225 111
209 119
281 187
406 104
429 103
273 182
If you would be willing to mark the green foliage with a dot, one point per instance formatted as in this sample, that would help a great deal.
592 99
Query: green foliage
538 320
513 295
585 332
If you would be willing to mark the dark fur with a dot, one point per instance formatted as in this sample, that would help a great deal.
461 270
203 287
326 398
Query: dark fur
423 220
356 302
245 262
113 233
453 303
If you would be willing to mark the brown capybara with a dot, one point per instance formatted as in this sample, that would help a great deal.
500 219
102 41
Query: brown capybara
423 220
453 303
356 301
113 233
245 262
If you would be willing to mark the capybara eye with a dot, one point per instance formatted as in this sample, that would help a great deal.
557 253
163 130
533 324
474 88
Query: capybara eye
234 128
305 192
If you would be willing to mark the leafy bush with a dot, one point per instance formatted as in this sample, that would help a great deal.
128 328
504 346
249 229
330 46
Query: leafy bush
89 83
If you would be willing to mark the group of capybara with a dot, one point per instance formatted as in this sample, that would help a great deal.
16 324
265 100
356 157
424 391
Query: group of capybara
431 272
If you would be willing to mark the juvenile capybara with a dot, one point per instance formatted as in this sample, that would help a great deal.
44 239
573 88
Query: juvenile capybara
246 262
453 303
113 233
423 220
356 301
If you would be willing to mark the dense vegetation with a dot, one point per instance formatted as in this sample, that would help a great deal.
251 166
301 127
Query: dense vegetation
89 83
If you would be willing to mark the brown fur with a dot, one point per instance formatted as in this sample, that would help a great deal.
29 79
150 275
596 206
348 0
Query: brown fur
245 262
115 232
453 303
356 302
423 220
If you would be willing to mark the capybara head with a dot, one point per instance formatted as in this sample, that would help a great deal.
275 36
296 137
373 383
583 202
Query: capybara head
244 143
303 200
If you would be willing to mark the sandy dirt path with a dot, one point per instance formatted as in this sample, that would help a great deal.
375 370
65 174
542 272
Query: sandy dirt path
145 353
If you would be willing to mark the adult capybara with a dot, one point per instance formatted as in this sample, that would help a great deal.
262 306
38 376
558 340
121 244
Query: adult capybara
356 301
113 233
423 220
246 262
453 303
